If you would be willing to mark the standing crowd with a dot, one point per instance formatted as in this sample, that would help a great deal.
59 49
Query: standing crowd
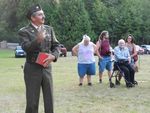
125 57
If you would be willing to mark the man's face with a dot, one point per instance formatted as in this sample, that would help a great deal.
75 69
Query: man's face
121 44
38 17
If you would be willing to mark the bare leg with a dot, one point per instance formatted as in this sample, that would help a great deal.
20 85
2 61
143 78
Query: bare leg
136 67
100 76
109 74
89 80
81 81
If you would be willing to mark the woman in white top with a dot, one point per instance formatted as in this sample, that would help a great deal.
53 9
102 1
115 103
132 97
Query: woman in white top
86 61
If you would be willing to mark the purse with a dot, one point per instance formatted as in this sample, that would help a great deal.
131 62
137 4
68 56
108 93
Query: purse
135 58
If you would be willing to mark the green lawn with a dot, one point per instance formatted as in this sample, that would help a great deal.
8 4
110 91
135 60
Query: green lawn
68 96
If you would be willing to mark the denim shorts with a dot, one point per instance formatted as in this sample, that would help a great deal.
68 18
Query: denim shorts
88 69
105 63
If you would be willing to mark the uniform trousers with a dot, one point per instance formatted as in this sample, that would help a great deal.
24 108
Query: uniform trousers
36 78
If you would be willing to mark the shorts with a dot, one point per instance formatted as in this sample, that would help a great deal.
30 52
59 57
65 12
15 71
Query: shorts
88 69
105 63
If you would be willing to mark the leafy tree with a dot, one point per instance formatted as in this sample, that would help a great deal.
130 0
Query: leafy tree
98 15
73 18
73 22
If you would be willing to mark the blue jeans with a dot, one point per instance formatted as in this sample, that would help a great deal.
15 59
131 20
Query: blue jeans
105 63
88 69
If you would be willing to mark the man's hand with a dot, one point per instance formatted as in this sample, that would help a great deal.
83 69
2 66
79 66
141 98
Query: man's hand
41 35
129 59
48 60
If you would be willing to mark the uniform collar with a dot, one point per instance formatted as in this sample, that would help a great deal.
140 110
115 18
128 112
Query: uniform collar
35 26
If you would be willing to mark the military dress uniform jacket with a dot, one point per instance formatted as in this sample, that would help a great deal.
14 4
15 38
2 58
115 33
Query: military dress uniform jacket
32 48
36 76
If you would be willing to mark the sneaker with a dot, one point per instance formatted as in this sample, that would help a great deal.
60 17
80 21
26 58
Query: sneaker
112 85
135 83
89 84
129 85
80 84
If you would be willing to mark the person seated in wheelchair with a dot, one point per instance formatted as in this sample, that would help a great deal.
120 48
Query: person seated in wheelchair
122 63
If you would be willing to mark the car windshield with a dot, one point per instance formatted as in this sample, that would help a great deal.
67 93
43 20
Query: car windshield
148 46
19 48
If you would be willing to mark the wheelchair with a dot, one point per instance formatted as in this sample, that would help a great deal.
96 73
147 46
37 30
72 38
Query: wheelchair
117 74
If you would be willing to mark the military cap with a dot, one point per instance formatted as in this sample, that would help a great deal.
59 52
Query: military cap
32 10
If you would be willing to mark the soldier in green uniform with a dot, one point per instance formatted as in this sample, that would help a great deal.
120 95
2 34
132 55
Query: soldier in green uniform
36 38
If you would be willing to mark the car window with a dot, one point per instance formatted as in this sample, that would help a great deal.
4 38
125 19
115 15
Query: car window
143 46
19 48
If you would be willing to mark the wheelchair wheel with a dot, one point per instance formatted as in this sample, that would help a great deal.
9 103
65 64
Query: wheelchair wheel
118 77
116 74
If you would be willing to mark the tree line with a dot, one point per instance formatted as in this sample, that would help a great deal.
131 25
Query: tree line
72 19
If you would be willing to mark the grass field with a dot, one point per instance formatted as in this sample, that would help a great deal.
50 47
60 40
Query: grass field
68 96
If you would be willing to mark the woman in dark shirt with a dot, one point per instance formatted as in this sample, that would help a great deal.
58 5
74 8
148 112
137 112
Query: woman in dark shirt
104 54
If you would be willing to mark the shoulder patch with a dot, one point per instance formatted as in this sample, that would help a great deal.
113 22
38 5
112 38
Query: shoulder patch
22 28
